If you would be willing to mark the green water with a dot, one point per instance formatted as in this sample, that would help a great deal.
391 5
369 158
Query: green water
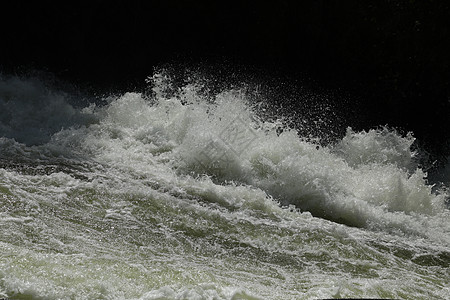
124 204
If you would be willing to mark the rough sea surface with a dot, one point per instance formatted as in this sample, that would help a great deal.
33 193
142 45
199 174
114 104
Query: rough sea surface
150 196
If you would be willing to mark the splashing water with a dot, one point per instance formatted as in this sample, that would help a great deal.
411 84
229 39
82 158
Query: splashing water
175 196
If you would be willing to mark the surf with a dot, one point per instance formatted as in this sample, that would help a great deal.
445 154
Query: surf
162 193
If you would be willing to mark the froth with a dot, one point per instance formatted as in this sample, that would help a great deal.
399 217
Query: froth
368 179
175 195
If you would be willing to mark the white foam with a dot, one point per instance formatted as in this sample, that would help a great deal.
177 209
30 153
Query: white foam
365 180
145 212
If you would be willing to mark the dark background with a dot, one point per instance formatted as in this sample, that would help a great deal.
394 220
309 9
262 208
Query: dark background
390 58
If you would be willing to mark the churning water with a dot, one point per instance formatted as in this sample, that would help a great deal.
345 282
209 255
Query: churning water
187 197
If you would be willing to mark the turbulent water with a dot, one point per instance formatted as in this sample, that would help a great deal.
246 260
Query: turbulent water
183 196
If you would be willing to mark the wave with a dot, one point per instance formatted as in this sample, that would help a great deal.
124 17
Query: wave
174 193
194 144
